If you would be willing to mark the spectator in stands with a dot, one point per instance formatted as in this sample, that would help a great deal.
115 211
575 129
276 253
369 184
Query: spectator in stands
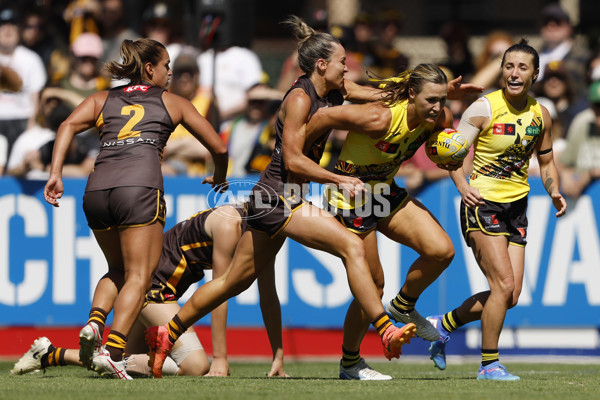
580 161
114 29
18 108
85 77
83 16
26 159
363 39
459 58
559 45
556 86
250 137
487 65
158 24
593 66
36 37
388 60
235 70
184 155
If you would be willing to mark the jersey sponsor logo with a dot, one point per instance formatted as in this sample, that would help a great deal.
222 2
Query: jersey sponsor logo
504 129
357 222
169 297
113 143
136 88
490 221
387 147
533 130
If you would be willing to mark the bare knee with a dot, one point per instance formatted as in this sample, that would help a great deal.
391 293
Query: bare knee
194 365
515 298
444 252
505 289
439 252
352 248
139 283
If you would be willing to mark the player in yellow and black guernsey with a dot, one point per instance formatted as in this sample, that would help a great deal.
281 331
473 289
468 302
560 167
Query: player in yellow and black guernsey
506 127
276 213
382 136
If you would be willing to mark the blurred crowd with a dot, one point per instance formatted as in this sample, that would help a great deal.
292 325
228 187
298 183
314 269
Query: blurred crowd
51 58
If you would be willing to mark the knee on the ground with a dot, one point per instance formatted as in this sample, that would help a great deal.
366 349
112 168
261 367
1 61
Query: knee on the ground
194 366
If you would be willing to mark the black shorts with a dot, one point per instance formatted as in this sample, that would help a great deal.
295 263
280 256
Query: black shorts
271 214
506 219
377 208
124 207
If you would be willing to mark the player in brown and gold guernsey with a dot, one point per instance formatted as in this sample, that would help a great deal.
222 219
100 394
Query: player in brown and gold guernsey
277 211
204 241
124 197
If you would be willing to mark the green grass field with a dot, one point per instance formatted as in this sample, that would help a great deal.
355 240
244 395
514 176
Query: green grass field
314 380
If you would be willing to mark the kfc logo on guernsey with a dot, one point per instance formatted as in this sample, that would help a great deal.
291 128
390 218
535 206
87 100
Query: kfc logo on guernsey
136 88
504 129
387 147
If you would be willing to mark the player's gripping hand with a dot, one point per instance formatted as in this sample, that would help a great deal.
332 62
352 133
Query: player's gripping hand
220 187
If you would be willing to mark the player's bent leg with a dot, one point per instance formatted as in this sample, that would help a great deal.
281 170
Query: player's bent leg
435 251
189 354
317 229
140 256
189 357
430 241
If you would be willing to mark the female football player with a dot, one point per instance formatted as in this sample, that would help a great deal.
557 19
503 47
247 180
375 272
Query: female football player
124 196
506 127
382 136
204 241
277 209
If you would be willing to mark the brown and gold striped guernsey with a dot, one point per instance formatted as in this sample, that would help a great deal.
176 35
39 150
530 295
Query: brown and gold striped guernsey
187 252
275 174
134 126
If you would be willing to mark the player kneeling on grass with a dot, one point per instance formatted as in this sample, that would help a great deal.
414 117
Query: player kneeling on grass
204 241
